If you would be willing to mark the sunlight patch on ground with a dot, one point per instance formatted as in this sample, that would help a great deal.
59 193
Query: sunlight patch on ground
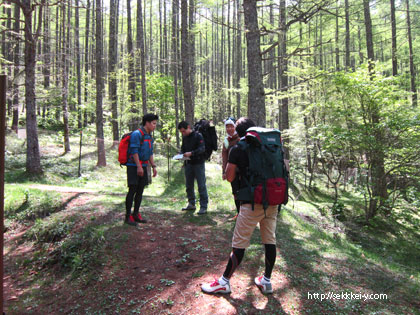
290 301
261 303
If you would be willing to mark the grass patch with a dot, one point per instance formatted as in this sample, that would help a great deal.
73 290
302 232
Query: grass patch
49 231
81 252
316 253
25 204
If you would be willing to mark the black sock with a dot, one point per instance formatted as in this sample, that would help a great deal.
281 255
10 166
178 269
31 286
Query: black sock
234 261
270 259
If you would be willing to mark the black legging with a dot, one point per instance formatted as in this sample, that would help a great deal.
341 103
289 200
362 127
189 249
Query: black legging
234 261
270 259
238 253
134 192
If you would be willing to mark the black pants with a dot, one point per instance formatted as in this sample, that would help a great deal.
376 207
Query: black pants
136 186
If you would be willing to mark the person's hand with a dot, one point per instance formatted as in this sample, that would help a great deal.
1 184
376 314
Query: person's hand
140 171
224 176
154 172
187 154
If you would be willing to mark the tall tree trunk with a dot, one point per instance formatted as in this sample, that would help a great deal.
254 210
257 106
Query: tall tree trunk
58 42
160 38
410 47
186 64
16 61
191 46
375 154
394 39
113 56
99 87
229 65
284 79
133 121
337 50
65 78
9 56
256 95
140 46
175 12
369 36
321 46
238 58
346 9
78 67
46 51
86 75
165 40
33 159
151 34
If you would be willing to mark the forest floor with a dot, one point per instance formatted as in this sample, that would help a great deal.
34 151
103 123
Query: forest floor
158 267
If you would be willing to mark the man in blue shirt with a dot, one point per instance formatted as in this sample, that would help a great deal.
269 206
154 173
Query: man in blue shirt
140 154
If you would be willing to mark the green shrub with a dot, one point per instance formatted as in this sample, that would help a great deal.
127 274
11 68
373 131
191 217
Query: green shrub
337 210
30 204
81 251
49 230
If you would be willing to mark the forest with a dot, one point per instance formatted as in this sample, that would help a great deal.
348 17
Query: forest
337 78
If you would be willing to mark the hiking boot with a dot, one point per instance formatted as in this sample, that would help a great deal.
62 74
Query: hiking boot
202 211
130 221
138 218
218 286
264 285
189 207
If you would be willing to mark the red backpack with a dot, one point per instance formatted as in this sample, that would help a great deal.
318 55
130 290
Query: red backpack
125 145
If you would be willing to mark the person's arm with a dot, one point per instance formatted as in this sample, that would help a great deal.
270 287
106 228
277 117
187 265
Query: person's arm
224 161
153 165
286 162
199 144
136 159
183 145
230 172
135 150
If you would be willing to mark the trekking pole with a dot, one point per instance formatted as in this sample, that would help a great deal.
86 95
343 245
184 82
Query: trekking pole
80 153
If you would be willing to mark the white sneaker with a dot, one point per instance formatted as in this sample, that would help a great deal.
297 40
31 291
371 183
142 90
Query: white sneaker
218 286
263 285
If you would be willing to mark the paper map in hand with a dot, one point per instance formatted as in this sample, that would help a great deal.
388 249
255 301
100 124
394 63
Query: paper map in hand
180 157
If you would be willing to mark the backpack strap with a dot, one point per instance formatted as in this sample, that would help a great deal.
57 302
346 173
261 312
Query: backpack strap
245 147
142 136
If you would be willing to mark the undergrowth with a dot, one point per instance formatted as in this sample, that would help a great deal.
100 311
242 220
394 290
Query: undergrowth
322 244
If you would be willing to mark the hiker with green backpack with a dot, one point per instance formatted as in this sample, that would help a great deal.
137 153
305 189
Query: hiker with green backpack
263 182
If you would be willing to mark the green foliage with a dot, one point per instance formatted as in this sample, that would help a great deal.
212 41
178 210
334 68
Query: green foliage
81 251
49 230
337 210
30 204
318 253
160 96
54 106
363 117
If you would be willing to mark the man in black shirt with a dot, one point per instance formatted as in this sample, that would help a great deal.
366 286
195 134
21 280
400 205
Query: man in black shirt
246 222
193 148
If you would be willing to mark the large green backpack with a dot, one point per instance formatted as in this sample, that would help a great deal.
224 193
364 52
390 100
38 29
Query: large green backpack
267 176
